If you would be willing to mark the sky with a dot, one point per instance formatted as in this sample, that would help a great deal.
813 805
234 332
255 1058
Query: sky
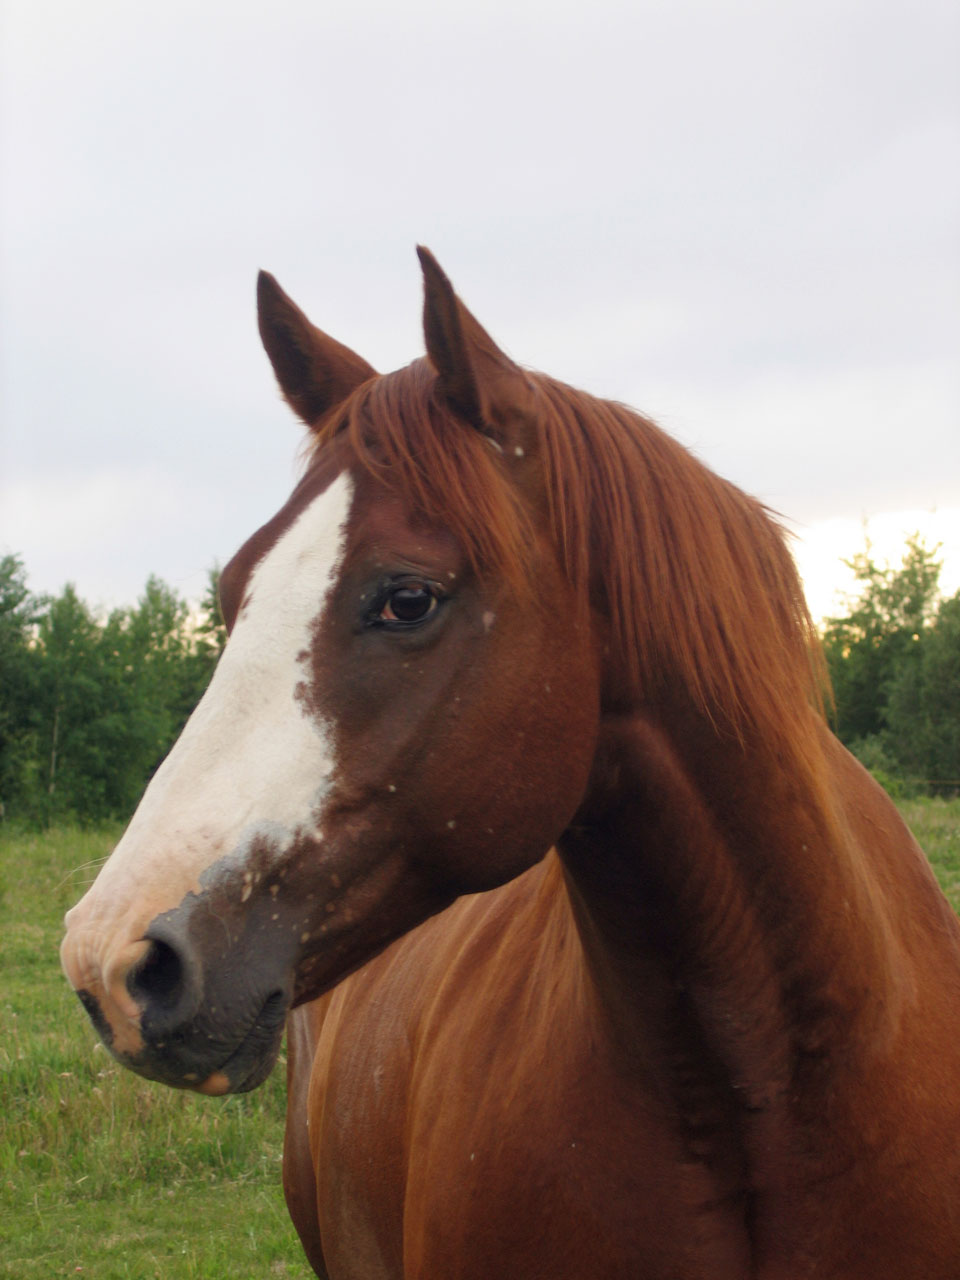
742 218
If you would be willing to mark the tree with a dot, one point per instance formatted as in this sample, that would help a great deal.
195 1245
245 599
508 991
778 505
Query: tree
159 679
923 709
72 692
211 627
867 649
19 678
209 638
89 708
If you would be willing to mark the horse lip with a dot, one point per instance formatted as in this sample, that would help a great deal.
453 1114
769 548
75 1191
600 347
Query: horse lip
244 1067
254 1058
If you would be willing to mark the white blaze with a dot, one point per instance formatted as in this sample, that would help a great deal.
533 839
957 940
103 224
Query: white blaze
251 760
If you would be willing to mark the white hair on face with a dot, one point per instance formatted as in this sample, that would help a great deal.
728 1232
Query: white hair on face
252 760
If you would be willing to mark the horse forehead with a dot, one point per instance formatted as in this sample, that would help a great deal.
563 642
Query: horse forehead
383 520
321 499
284 588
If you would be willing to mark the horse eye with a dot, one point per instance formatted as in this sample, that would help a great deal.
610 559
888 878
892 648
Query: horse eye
408 604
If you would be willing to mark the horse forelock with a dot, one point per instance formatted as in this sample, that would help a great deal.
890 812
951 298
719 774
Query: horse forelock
400 431
693 577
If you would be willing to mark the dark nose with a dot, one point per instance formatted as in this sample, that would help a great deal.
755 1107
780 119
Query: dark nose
167 984
184 1002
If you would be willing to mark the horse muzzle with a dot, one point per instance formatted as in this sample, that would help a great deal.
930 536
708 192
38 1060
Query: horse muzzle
174 1008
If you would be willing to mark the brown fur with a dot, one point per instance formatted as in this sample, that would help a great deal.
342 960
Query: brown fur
692 575
715 1032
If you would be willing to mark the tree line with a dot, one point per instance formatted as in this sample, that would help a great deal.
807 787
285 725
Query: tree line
91 704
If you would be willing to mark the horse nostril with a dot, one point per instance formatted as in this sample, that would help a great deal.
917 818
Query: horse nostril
158 982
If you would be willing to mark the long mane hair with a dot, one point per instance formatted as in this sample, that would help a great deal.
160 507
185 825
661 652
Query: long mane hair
692 577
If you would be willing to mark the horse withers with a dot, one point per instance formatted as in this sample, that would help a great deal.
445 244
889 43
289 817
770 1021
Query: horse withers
512 797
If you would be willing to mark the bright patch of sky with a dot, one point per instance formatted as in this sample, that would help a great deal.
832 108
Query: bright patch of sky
821 549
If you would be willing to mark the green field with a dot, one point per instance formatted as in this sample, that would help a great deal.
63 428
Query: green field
107 1176
102 1174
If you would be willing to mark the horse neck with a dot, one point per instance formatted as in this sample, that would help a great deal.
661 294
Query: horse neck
727 912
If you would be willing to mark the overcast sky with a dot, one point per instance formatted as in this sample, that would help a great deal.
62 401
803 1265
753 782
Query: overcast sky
740 217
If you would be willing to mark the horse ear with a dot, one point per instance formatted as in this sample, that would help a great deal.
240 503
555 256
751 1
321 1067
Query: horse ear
315 372
478 381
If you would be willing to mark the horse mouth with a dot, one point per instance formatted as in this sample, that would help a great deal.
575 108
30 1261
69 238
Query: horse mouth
178 1060
254 1058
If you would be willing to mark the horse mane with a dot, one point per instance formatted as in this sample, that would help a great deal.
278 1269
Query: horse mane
692 577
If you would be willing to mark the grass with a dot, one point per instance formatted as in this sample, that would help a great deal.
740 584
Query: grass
103 1174
936 824
108 1176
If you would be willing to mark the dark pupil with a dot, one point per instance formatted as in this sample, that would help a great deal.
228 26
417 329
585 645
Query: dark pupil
410 604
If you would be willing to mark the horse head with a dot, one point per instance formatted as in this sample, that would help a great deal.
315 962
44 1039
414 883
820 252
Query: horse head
406 709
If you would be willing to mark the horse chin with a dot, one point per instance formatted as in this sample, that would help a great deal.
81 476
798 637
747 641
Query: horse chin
238 1075
251 1063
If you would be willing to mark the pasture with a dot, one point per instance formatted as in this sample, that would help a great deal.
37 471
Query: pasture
108 1176
103 1174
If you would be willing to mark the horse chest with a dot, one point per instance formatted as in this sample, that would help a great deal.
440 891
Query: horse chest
472 1146
523 1193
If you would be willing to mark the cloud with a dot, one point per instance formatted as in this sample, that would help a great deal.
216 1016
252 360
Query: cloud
104 530
738 217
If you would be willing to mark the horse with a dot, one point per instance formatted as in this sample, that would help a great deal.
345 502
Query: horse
513 798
